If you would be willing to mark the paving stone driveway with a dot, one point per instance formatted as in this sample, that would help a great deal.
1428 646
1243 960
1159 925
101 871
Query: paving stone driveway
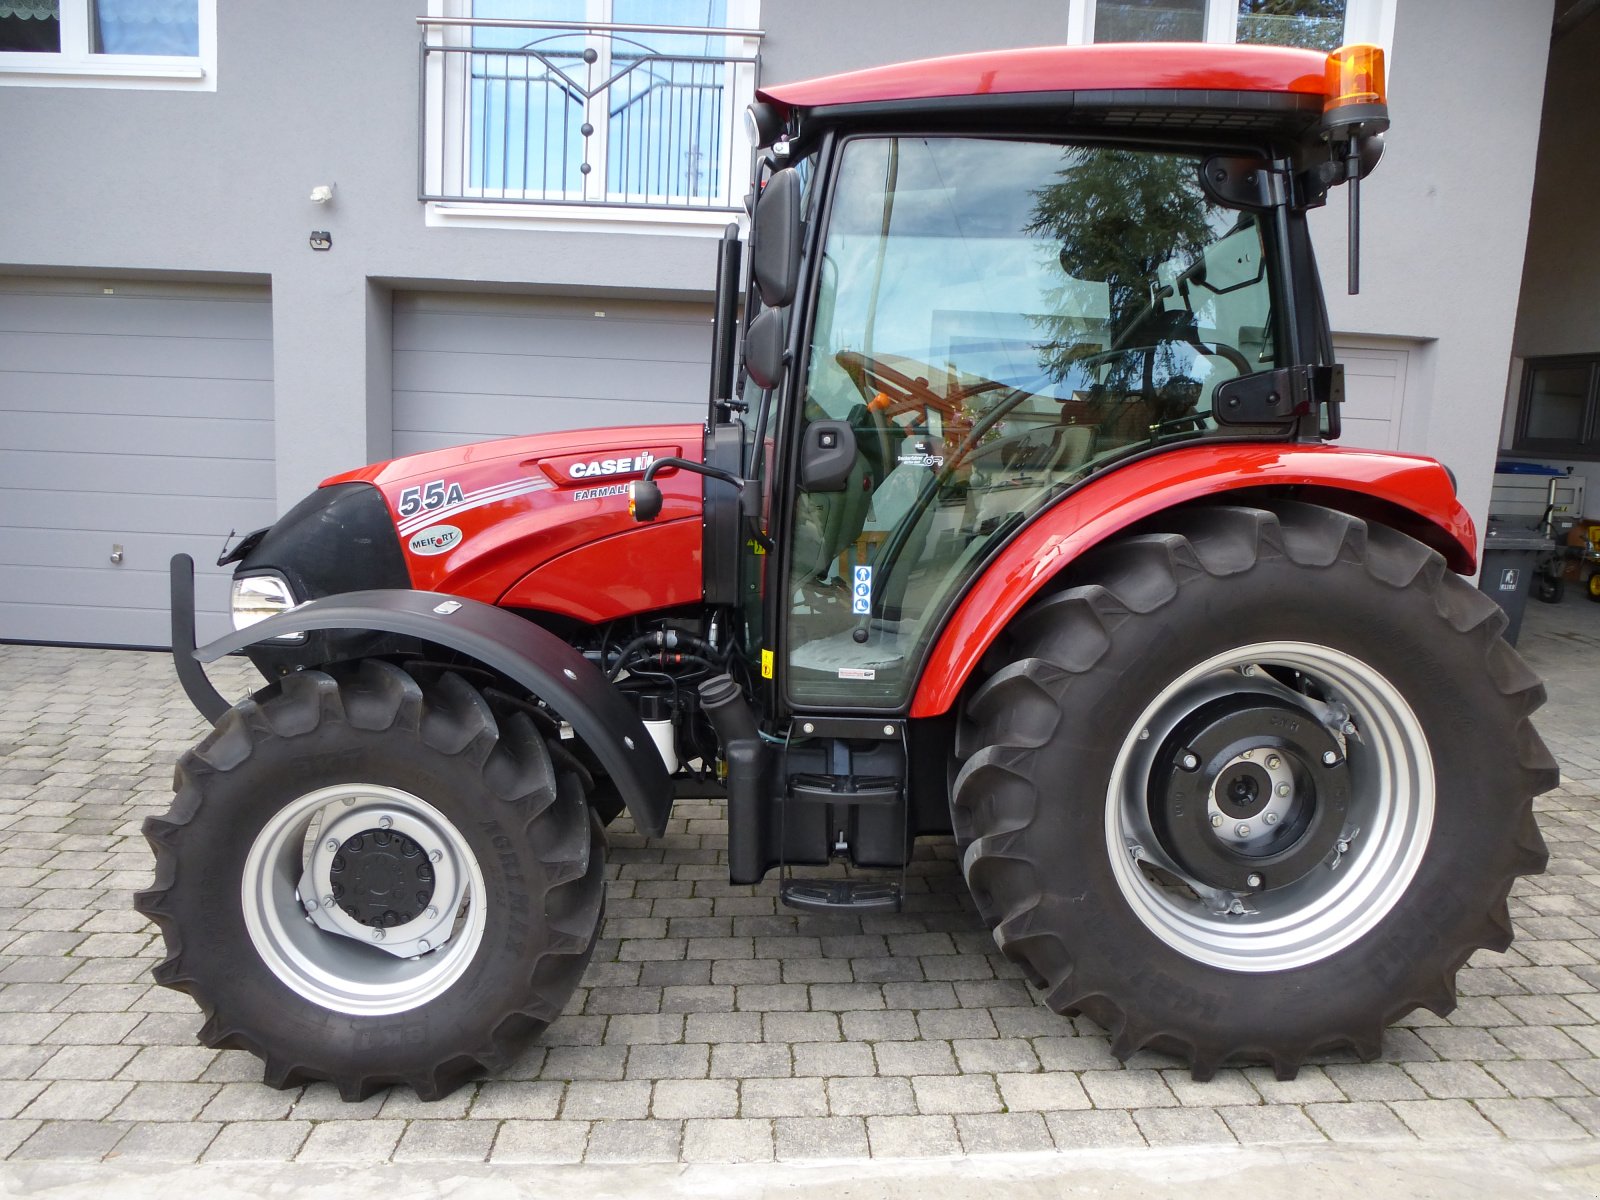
714 1025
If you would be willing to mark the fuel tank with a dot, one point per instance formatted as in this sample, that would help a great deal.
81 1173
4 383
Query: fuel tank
542 521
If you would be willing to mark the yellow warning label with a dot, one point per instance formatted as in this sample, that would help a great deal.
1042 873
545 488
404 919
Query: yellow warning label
766 664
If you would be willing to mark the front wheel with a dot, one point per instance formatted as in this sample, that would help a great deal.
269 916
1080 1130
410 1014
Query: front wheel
1254 788
370 881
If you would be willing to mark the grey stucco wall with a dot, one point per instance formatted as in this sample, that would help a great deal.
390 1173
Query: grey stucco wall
1445 218
311 92
1558 314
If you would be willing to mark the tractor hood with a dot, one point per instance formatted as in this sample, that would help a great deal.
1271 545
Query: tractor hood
542 521
538 522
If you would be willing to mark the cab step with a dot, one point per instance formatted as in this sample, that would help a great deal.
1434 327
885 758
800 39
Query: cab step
841 895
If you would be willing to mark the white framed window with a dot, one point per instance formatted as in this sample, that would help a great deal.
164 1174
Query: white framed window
630 111
167 44
1311 24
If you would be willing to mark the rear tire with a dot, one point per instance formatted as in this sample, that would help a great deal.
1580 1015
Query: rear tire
467 871
1364 867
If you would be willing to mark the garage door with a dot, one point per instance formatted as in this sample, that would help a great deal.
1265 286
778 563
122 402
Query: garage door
1375 376
137 423
473 367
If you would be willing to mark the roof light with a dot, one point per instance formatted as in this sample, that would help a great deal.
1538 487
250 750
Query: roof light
1355 76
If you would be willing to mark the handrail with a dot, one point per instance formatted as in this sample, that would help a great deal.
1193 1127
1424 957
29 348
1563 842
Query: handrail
625 123
591 26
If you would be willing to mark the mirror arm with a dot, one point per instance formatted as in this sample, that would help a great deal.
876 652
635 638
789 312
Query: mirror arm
697 468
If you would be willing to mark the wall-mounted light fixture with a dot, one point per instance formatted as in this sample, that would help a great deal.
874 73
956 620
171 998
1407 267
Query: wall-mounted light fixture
321 239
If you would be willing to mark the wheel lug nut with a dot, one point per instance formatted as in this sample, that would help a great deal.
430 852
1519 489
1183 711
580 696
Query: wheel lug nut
331 845
432 913
1144 735
435 855
377 935
385 822
1189 761
1216 820
1248 754
1243 831
1271 818
1253 880
311 905
422 946
1349 728
327 902
1283 789
1329 758
1344 847
1273 762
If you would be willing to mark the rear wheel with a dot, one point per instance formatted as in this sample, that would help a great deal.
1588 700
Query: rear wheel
1254 788
371 882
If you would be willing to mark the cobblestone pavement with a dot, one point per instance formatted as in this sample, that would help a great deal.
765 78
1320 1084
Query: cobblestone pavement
715 1026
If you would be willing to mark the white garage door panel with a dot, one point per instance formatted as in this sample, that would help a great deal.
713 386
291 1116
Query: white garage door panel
145 396
1374 394
67 312
65 475
468 368
96 433
142 419
544 378
631 333
124 354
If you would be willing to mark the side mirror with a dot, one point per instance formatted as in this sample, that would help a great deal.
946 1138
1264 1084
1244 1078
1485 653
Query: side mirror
775 239
827 456
763 348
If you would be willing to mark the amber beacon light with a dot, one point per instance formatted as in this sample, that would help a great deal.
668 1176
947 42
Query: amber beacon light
1355 87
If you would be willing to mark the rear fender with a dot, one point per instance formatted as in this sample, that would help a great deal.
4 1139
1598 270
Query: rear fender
1412 493
537 659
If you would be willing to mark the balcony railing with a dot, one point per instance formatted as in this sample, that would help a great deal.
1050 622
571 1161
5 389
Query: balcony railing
545 112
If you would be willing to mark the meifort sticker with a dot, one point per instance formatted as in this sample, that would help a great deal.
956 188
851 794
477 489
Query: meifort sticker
435 539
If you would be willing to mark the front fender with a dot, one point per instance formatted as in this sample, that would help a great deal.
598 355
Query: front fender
1408 490
517 648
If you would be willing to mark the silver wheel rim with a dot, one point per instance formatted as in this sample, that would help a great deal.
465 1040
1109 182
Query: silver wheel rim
323 954
1332 907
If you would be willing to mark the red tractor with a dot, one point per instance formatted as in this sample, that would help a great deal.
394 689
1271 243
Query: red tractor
1020 520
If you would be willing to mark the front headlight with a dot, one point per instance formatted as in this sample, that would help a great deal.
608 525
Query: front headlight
257 597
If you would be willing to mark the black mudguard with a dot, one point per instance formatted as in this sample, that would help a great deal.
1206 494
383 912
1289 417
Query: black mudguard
517 648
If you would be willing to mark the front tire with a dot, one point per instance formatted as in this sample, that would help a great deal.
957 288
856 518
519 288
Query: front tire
369 881
1254 787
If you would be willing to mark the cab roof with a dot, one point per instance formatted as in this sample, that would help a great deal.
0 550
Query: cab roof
1142 67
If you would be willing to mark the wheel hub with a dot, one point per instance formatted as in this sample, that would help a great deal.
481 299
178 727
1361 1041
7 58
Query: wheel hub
384 874
1249 792
381 878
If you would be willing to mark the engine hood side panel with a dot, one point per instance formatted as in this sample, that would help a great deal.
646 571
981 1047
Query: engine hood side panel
481 521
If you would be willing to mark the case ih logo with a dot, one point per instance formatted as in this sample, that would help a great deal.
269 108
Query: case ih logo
435 539
611 466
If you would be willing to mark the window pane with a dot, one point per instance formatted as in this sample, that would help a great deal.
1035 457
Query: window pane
996 319
528 104
667 112
1556 401
1149 20
1312 24
30 25
146 27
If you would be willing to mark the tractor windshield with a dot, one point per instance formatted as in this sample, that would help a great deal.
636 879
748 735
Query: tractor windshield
996 318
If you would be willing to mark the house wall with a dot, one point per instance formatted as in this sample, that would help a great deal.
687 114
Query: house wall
215 185
1558 313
